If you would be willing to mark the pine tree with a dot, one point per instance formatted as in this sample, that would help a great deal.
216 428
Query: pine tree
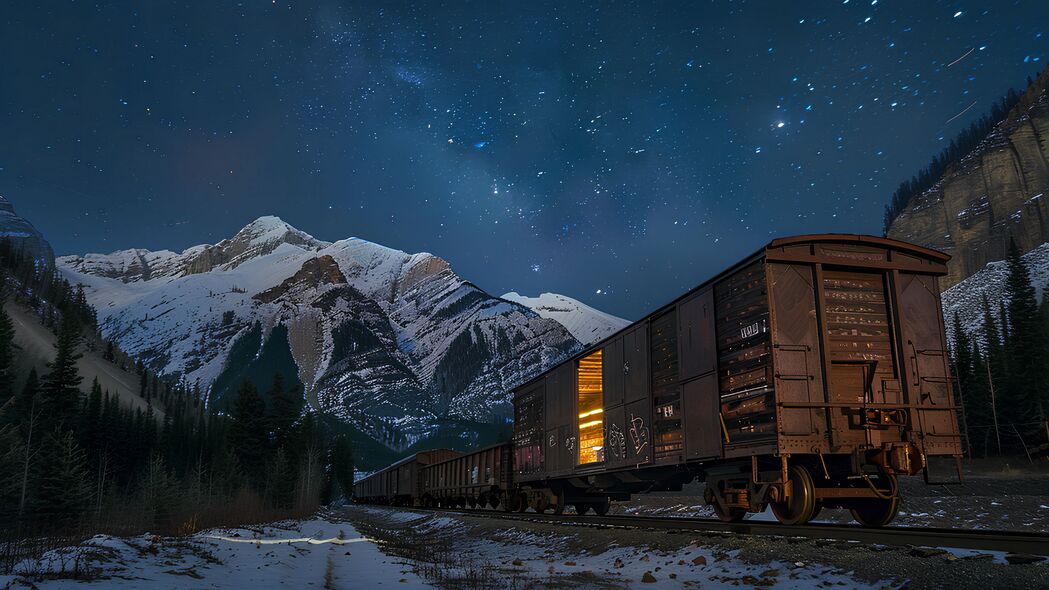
60 389
285 405
994 368
1028 389
7 348
248 432
342 465
61 493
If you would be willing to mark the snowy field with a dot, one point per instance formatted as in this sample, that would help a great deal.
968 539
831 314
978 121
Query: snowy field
361 547
308 554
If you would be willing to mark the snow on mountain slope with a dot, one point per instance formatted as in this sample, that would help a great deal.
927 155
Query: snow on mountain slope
585 323
381 338
965 298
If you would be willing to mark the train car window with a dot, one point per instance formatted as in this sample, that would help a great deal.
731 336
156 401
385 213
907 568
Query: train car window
744 354
591 406
666 394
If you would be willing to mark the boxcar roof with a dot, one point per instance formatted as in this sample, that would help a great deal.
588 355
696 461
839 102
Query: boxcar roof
858 239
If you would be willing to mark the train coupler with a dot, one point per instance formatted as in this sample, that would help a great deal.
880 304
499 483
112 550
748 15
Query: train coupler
898 457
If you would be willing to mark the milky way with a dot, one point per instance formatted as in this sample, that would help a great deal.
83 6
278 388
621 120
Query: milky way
618 153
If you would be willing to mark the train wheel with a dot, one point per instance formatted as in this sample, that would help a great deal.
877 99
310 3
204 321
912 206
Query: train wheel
879 512
493 499
522 503
802 503
582 508
601 506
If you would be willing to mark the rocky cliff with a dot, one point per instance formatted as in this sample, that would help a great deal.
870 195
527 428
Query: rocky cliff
23 235
996 192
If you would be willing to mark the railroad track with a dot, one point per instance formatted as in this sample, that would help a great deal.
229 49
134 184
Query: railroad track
985 540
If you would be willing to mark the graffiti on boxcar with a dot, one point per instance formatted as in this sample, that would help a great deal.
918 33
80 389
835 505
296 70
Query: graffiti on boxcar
638 433
473 475
552 441
570 443
616 441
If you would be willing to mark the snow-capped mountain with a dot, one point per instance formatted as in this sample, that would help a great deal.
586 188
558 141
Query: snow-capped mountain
22 234
965 299
586 324
386 340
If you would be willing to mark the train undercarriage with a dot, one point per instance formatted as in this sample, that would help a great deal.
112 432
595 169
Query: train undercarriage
795 487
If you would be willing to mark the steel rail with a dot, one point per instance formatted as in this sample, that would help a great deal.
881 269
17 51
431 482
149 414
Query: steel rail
976 539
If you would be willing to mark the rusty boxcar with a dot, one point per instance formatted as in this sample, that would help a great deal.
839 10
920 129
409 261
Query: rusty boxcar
400 484
477 479
810 374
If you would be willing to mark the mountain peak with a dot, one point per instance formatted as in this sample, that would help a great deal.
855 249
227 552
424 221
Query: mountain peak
585 323
270 228
23 235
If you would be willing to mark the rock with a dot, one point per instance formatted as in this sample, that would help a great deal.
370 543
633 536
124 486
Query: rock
645 558
699 560
516 562
993 194
769 573
1022 558
673 576
618 563
648 578
570 563
927 551
681 562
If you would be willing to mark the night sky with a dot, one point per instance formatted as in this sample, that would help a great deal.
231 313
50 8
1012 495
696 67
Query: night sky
618 153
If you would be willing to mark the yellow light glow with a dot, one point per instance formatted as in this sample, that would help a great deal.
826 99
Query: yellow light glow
589 424
591 413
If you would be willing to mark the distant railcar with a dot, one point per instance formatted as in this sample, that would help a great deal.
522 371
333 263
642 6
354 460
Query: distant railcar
399 484
483 478
809 375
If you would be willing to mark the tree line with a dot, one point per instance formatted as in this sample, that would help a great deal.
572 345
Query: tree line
1002 370
77 459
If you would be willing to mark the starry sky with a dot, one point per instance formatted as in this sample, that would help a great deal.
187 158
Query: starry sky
616 152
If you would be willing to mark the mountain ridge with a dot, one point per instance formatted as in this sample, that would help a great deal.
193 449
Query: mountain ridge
381 338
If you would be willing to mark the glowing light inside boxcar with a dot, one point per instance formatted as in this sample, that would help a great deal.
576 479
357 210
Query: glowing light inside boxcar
591 403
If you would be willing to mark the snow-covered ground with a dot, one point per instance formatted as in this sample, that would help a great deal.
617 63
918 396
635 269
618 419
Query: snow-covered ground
456 553
301 554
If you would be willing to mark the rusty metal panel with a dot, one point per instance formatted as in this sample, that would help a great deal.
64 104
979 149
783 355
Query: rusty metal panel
702 406
612 372
615 437
529 431
925 357
697 353
635 364
859 341
638 432
667 432
797 360
744 356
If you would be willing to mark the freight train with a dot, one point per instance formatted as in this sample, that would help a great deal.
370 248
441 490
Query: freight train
811 374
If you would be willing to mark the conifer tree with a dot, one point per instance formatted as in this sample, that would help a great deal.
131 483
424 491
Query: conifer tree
248 432
1026 347
285 405
7 349
61 492
60 390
